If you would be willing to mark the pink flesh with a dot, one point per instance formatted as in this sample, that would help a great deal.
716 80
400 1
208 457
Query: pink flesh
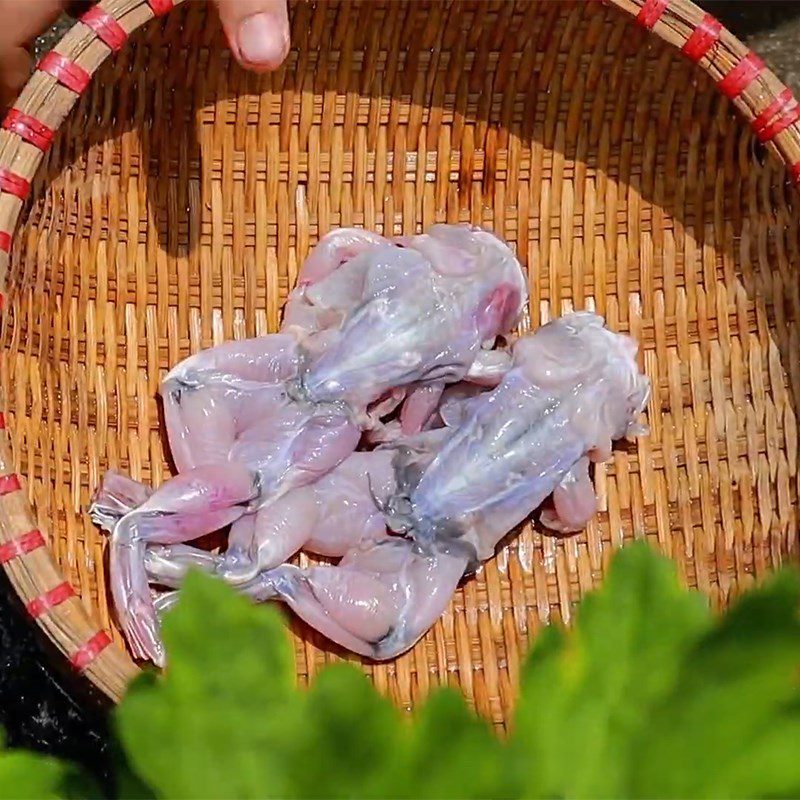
359 602
241 535
116 496
328 517
264 359
419 407
133 601
334 249
207 499
323 304
280 530
388 403
304 603
209 424
377 601
346 512
200 419
574 499
322 444
489 368
203 490
493 318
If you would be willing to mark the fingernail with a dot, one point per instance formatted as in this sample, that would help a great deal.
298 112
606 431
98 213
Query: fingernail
262 40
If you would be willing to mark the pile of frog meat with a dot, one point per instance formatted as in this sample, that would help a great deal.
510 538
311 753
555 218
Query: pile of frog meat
395 424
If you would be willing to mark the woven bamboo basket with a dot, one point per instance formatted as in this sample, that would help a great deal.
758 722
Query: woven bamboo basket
635 153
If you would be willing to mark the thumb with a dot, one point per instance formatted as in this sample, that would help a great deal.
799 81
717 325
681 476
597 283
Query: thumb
257 31
20 25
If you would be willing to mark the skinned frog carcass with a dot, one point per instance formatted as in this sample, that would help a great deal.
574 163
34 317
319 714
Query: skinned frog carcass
449 495
372 323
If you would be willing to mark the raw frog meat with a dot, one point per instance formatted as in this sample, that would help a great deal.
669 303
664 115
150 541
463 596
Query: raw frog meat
448 496
373 323
574 389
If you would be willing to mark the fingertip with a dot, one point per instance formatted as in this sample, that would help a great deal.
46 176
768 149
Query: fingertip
257 32
263 42
15 69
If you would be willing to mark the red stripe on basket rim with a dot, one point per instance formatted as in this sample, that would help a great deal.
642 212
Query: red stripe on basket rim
741 76
777 105
161 7
108 30
50 599
2 421
32 540
88 652
9 484
703 38
5 242
65 71
787 115
29 128
651 12
14 184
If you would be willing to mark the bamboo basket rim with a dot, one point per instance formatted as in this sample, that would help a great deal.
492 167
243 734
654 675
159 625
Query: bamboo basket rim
28 130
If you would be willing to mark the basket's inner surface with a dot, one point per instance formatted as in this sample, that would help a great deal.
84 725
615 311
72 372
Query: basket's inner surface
182 194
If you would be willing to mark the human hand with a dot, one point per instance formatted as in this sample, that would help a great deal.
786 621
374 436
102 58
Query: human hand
257 33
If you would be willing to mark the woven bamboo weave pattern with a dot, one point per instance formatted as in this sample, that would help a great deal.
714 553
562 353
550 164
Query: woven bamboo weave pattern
177 201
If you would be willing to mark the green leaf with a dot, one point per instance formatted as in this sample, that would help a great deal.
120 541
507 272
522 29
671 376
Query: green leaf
226 721
349 736
646 697
30 776
736 702
217 723
587 696
127 785
538 758
770 767
451 753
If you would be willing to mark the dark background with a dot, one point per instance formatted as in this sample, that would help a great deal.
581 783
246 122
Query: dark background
45 708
